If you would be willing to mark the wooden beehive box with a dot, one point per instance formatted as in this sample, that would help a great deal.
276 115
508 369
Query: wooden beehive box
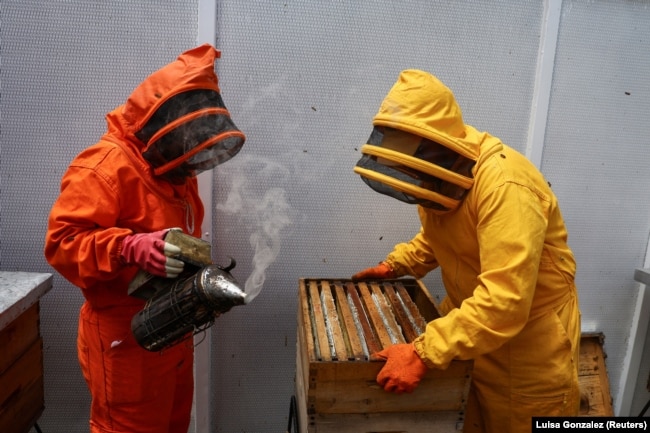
595 397
341 323
21 372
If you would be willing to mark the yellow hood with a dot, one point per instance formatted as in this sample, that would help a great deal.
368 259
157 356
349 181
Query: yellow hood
421 104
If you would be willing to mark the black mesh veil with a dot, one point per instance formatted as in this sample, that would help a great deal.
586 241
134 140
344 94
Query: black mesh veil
418 178
193 127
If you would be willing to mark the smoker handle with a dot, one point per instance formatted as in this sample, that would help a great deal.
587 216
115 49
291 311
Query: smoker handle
293 416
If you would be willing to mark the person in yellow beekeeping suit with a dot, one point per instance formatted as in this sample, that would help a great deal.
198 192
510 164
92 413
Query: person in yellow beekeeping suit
490 221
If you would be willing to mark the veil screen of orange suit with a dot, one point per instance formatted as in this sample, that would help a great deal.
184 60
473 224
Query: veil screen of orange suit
192 133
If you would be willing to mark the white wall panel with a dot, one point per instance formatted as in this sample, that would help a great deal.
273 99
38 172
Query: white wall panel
596 157
303 80
65 64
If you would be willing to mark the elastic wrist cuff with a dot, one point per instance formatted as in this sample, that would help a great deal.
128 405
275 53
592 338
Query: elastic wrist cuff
393 267
418 344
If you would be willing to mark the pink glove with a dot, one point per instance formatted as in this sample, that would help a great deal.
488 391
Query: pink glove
150 252
380 272
403 370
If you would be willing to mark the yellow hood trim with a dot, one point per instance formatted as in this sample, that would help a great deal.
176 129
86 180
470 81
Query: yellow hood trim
408 188
418 164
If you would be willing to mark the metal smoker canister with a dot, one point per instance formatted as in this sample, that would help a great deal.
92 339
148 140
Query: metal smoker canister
187 307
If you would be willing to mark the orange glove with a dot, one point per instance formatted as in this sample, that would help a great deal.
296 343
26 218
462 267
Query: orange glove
403 370
380 272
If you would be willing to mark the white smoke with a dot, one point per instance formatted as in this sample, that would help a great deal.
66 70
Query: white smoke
265 212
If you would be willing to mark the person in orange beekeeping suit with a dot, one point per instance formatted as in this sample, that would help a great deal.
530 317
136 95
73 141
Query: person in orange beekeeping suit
491 223
119 197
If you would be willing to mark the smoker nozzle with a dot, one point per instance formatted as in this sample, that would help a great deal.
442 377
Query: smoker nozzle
218 289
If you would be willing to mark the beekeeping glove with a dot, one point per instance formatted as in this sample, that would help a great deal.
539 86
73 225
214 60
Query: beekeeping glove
380 272
403 369
150 252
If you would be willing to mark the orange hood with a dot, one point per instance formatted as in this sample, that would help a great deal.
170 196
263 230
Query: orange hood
176 119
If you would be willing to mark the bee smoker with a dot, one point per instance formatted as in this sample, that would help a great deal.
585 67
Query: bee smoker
176 309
